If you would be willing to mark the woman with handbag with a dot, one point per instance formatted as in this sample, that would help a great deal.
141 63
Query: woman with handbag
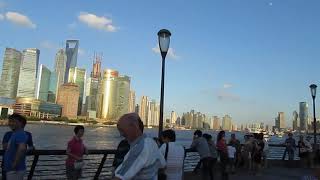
174 155
303 152
75 151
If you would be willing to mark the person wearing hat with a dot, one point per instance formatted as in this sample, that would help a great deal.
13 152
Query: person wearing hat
15 154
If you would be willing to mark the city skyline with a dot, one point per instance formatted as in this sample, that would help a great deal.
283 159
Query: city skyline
237 61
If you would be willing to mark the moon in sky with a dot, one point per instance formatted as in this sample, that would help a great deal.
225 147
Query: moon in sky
270 4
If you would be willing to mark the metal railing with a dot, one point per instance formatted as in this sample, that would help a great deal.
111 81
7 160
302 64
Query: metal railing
45 164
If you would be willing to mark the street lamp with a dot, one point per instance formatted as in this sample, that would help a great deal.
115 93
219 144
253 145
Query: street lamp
313 89
164 42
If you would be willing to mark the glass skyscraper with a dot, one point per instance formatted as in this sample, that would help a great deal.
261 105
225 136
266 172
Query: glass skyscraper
43 83
72 55
53 88
78 76
10 73
303 116
60 66
28 73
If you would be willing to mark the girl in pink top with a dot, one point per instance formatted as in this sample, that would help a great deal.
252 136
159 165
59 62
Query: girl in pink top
223 153
75 152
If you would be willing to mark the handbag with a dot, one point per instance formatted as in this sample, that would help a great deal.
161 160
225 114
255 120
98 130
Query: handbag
161 173
78 164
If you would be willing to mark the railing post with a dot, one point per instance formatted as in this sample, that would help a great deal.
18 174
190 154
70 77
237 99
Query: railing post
96 176
33 166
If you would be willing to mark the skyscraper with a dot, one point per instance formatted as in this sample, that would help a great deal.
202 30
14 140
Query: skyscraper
295 120
123 88
173 117
78 76
28 73
43 83
113 96
92 85
132 101
216 123
68 98
280 121
72 55
96 67
227 123
60 66
10 73
53 88
303 116
143 111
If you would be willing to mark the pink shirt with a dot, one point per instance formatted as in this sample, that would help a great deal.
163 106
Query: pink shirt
77 148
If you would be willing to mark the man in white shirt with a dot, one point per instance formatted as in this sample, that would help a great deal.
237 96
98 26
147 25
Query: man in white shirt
144 159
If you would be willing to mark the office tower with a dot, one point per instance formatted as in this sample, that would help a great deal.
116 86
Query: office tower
43 83
60 66
132 101
143 111
53 88
72 55
78 76
153 114
295 117
68 98
123 88
10 73
28 73
216 123
227 123
96 67
173 117
280 121
92 85
303 116
113 96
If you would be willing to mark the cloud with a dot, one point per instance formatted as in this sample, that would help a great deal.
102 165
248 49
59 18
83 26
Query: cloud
97 22
224 93
20 20
1 17
48 45
72 25
171 52
227 86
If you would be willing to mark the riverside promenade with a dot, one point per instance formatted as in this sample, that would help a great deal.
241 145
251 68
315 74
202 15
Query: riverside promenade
50 164
270 173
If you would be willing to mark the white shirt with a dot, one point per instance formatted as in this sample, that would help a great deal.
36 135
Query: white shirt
142 161
175 158
231 151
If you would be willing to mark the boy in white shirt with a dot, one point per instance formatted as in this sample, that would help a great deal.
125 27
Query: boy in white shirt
231 153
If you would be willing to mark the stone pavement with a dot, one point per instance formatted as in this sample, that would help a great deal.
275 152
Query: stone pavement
271 173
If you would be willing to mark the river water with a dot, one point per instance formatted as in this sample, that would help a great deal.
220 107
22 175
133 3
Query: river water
47 136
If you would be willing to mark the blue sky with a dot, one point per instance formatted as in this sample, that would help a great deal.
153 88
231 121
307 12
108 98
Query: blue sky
247 58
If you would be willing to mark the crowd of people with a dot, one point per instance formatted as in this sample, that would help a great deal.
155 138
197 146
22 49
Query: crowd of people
141 157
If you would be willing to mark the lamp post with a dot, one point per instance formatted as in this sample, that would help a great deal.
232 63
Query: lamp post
313 89
164 42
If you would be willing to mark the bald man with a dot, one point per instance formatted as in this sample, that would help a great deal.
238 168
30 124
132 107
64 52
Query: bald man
144 158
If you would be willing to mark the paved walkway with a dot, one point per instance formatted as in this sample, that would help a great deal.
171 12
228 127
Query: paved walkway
271 173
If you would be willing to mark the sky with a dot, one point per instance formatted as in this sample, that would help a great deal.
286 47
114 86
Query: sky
247 58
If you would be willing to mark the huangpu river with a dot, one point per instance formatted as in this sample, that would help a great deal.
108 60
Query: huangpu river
46 136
